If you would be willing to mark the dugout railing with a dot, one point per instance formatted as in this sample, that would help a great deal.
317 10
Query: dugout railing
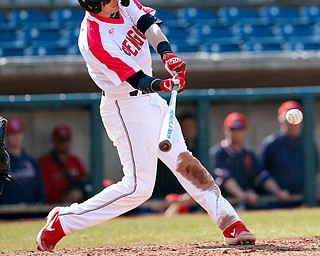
203 101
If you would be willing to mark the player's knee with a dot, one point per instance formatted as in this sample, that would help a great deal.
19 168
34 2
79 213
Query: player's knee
142 193
191 168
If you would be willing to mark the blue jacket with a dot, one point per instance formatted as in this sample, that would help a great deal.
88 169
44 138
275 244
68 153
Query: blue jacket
243 166
27 185
282 159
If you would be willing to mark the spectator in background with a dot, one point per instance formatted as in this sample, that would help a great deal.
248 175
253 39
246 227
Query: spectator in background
281 156
26 186
235 167
188 126
64 175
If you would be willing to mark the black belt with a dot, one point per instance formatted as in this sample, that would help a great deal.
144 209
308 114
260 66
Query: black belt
131 94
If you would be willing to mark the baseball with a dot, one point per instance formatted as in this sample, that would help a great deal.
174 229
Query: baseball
294 116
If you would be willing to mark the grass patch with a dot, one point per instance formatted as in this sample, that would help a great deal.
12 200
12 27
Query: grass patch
156 229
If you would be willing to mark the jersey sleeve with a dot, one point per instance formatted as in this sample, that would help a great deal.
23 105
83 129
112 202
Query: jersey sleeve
136 10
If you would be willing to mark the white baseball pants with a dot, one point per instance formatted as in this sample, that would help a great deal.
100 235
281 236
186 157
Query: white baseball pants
133 124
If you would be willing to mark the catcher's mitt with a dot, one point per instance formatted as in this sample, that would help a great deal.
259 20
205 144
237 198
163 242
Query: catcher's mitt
4 156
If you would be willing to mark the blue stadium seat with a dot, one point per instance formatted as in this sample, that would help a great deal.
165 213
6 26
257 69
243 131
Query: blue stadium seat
41 37
46 51
73 50
197 16
261 47
233 14
310 12
8 35
173 33
260 33
220 48
29 19
213 34
168 17
300 46
273 14
11 50
3 21
183 47
71 34
67 17
290 32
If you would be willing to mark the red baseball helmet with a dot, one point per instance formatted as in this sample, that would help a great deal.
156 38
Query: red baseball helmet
61 133
235 120
287 105
14 125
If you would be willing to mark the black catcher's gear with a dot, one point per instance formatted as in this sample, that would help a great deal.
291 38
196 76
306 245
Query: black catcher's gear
4 156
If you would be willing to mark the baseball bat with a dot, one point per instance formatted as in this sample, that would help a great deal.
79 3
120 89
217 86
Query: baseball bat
166 133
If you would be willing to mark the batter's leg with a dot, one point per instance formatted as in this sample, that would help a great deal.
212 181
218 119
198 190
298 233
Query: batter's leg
199 183
138 152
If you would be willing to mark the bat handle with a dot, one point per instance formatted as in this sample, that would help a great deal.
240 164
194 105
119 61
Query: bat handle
175 87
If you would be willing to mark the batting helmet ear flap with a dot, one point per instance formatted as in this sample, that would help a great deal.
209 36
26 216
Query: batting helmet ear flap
125 2
93 7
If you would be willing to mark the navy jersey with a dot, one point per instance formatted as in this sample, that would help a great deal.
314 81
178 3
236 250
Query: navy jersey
27 184
243 166
282 158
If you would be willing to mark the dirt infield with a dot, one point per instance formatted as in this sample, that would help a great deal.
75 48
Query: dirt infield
296 246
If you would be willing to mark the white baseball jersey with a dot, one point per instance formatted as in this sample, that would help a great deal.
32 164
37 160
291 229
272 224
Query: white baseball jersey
114 49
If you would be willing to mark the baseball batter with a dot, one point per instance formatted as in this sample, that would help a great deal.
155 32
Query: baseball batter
114 41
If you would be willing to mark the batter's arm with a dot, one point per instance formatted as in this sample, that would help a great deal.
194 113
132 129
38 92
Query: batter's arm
156 38
150 84
160 43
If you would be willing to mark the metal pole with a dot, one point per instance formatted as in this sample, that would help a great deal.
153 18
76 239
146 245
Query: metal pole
203 121
308 105
96 147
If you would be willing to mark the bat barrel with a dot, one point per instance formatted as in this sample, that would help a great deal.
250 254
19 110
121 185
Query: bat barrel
165 146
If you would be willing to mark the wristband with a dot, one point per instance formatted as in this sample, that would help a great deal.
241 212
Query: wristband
163 47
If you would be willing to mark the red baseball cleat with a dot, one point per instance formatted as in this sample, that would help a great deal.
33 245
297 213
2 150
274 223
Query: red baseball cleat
51 233
237 233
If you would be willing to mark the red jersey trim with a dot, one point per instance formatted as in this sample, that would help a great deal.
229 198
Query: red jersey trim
119 20
142 7
115 64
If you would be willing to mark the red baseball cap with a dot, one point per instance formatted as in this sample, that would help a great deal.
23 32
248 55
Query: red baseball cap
235 120
286 106
14 125
61 133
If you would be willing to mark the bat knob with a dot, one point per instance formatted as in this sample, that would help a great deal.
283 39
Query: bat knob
164 146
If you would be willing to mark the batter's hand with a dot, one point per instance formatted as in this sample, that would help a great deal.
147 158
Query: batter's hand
174 65
167 84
